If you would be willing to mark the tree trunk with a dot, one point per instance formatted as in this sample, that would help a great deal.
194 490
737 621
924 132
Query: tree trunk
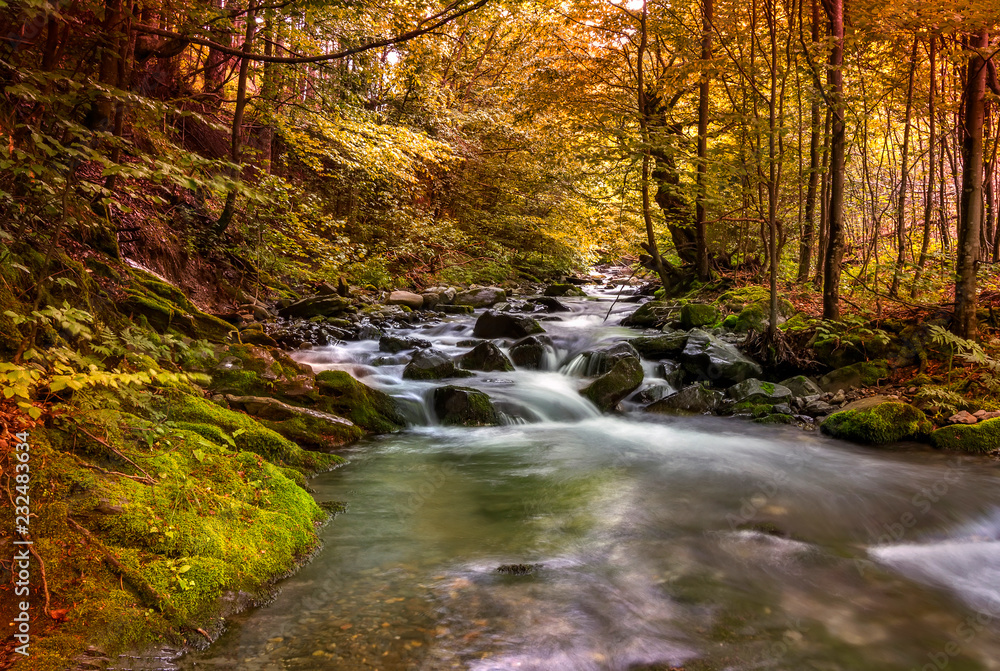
835 237
824 202
805 244
236 148
904 170
701 242
100 113
929 200
966 324
772 171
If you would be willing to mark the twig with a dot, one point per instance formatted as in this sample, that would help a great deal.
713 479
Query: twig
620 290
103 442
45 583
145 481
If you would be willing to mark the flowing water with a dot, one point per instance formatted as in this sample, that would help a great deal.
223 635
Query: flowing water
648 542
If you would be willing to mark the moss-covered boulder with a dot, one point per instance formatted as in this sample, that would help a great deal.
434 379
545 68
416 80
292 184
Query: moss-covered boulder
482 297
485 357
308 427
981 438
247 433
697 315
648 315
753 390
663 346
753 317
369 408
564 290
395 344
861 374
801 386
624 375
463 406
165 307
877 421
316 306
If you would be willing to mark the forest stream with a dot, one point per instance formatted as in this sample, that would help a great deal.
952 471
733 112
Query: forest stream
626 541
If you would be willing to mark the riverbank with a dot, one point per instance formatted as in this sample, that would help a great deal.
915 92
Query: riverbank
171 480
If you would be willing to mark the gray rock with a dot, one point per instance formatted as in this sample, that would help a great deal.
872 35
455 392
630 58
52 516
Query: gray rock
705 357
531 351
564 290
483 297
783 409
505 325
663 346
818 408
265 407
315 306
431 364
431 299
651 392
648 315
753 390
801 386
394 344
486 357
672 372
548 303
694 398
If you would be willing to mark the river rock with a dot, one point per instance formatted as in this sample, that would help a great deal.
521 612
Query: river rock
861 374
482 297
547 303
530 352
431 299
672 372
394 344
705 357
652 392
963 417
486 357
308 427
694 398
696 315
817 407
801 386
877 421
648 315
407 298
564 290
431 364
505 325
754 391
462 406
983 437
315 306
663 346
369 408
624 375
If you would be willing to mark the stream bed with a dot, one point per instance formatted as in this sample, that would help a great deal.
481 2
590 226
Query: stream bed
629 542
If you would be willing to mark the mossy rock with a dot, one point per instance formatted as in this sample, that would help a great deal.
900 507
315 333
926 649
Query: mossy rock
564 290
751 318
697 315
981 438
624 376
374 410
248 434
861 374
463 406
648 315
876 421
165 307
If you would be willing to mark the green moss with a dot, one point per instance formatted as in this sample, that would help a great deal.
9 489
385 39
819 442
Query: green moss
879 425
697 315
165 307
369 408
315 433
776 418
730 322
982 438
609 389
751 318
755 410
248 433
240 382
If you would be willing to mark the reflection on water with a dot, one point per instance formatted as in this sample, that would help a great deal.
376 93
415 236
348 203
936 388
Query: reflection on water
649 543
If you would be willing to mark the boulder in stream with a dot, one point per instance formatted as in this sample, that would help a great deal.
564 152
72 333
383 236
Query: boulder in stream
877 420
431 364
801 386
407 298
505 325
395 344
624 375
374 410
564 290
696 315
530 352
464 406
753 390
316 306
694 398
486 357
649 315
705 357
663 346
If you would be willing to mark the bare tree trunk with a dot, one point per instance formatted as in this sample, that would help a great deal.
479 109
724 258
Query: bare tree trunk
824 202
701 242
904 173
929 199
236 148
966 324
805 244
835 239
771 11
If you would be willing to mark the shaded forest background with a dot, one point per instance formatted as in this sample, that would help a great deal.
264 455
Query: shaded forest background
408 143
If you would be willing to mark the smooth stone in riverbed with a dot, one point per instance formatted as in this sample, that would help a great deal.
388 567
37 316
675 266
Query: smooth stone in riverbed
431 364
395 344
623 377
801 386
505 325
407 298
486 357
482 297
753 390
530 352
694 398
706 358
